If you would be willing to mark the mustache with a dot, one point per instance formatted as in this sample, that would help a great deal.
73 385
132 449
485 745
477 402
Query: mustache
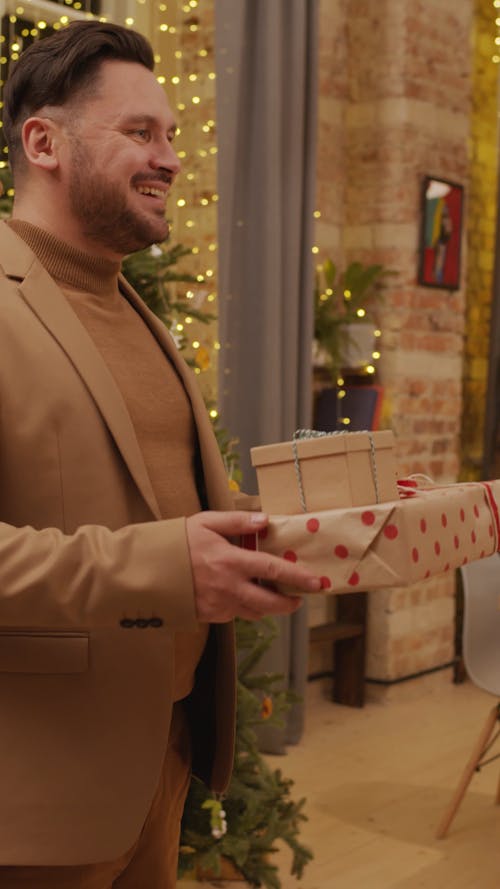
163 176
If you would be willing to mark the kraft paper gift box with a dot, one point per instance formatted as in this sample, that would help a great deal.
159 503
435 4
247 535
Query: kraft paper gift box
431 531
326 472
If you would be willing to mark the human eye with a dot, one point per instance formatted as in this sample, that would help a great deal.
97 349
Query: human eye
141 133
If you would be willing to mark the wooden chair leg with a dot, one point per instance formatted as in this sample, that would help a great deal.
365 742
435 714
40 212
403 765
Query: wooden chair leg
469 770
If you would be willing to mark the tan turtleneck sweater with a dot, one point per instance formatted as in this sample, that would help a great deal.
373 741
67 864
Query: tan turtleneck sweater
153 393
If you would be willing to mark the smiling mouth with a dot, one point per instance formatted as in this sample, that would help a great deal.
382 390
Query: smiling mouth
152 192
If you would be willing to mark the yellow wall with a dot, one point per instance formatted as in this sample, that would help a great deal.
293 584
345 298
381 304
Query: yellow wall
481 222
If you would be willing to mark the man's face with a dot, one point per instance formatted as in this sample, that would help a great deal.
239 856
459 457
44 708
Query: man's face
120 161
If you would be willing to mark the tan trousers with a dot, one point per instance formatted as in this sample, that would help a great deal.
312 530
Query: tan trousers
152 862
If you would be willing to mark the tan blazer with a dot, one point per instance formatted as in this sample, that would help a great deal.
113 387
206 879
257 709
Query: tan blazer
93 585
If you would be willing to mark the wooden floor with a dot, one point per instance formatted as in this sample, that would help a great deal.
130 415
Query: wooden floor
377 781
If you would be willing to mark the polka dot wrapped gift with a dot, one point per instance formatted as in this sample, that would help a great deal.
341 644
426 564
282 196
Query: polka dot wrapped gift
430 530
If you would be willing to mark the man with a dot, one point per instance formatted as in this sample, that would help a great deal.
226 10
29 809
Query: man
118 572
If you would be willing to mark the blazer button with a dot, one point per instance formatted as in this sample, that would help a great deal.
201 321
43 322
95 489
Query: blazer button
142 623
156 622
127 623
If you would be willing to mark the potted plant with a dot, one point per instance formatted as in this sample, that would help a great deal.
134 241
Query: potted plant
344 327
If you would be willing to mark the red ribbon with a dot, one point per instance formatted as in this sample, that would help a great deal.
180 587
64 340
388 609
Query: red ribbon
494 510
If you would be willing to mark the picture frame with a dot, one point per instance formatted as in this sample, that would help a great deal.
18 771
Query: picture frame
440 233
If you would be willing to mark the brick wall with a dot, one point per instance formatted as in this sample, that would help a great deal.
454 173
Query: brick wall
400 90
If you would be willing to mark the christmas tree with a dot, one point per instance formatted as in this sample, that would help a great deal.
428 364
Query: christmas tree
257 810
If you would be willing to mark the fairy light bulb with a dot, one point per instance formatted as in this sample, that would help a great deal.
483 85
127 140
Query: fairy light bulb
496 55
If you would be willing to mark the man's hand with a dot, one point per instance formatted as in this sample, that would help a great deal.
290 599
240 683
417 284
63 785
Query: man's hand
225 575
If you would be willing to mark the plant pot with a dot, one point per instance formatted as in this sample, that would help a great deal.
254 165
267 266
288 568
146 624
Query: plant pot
357 343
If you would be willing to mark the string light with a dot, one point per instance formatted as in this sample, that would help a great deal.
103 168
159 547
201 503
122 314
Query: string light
496 54
184 58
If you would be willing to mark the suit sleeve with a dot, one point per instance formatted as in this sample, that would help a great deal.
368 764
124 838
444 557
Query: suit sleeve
96 577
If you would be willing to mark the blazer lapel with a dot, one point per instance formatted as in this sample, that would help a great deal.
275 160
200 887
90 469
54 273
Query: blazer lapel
49 304
51 307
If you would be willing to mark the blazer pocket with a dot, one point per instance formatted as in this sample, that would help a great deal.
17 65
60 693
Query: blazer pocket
23 651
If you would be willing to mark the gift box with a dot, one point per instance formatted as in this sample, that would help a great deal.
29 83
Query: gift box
326 471
429 531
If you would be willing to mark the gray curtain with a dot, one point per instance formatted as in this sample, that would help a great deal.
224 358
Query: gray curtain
266 122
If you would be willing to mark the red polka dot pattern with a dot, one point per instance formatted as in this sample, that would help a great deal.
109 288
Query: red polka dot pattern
341 551
368 517
437 530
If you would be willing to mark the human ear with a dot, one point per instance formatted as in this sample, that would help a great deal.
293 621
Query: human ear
41 142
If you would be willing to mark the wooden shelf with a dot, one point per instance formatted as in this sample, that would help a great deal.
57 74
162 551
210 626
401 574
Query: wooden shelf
334 631
347 635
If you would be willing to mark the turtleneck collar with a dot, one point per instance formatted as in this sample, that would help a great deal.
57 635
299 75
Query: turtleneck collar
66 264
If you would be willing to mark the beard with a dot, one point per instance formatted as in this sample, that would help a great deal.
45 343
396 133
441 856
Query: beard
103 210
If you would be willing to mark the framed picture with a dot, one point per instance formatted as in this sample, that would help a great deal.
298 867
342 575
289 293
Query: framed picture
441 233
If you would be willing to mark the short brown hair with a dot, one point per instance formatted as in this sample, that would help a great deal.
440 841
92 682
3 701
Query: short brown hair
52 71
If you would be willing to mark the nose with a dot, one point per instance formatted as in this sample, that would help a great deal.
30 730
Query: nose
166 158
